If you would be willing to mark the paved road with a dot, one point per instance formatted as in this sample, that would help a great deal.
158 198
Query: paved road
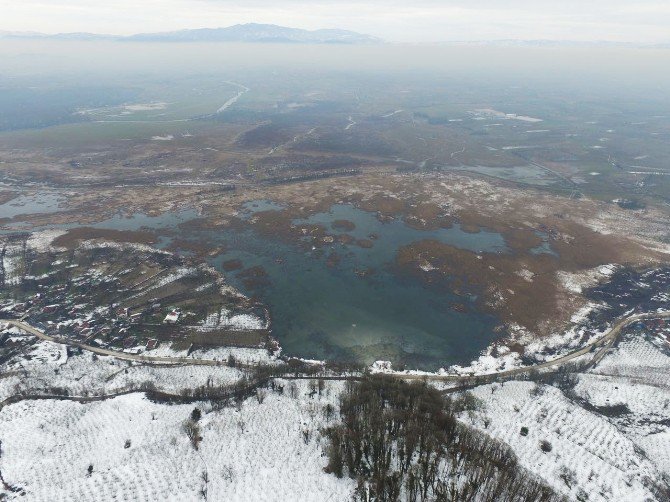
599 347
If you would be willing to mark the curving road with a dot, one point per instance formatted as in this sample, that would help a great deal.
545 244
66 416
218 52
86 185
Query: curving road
599 347
604 343
113 353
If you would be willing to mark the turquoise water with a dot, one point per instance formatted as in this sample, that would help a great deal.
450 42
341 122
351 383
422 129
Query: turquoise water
139 221
39 202
320 310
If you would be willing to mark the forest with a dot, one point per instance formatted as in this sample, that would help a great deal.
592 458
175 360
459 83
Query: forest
403 441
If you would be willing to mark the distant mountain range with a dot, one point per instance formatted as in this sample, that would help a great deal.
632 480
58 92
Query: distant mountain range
271 33
560 43
252 33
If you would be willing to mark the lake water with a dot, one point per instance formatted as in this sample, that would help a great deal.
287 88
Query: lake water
322 309
358 308
139 220
39 202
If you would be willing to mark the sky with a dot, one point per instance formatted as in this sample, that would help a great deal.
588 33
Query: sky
413 21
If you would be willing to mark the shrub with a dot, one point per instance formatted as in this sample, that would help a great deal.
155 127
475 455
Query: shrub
568 476
467 402
196 414
537 390
293 390
328 412
232 362
192 431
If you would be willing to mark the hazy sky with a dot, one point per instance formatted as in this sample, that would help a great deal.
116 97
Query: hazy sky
645 21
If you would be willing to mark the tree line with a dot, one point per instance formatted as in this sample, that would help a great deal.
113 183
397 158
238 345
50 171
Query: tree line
402 441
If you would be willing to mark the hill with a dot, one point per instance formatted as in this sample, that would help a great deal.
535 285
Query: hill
250 33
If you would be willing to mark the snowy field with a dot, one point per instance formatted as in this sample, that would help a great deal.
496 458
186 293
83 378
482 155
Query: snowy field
49 366
605 437
608 446
637 376
589 455
241 354
269 451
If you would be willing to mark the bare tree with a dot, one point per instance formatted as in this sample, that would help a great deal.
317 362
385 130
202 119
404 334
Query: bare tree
192 431
402 439
205 479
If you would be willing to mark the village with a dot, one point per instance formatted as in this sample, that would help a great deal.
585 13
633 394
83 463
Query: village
125 299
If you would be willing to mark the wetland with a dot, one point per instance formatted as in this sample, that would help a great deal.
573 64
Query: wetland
332 286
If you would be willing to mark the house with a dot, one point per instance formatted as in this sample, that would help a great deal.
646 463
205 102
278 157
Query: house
152 344
50 309
172 317
128 342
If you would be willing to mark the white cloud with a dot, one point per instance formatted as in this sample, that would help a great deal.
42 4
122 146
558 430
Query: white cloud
420 20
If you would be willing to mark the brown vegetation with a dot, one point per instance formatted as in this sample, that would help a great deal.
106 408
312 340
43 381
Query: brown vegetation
74 236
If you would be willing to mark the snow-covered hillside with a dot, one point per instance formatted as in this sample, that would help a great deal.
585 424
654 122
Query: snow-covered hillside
604 436
634 381
261 451
47 366
589 455
609 436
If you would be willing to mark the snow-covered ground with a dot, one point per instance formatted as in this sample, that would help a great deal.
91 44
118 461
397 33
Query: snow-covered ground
637 376
270 451
609 436
589 455
226 319
273 450
241 354
608 439
41 241
578 281
48 366
492 113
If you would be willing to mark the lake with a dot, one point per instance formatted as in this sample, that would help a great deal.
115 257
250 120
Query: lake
359 308
355 307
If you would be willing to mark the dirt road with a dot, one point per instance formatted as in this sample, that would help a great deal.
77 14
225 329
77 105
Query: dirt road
599 347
